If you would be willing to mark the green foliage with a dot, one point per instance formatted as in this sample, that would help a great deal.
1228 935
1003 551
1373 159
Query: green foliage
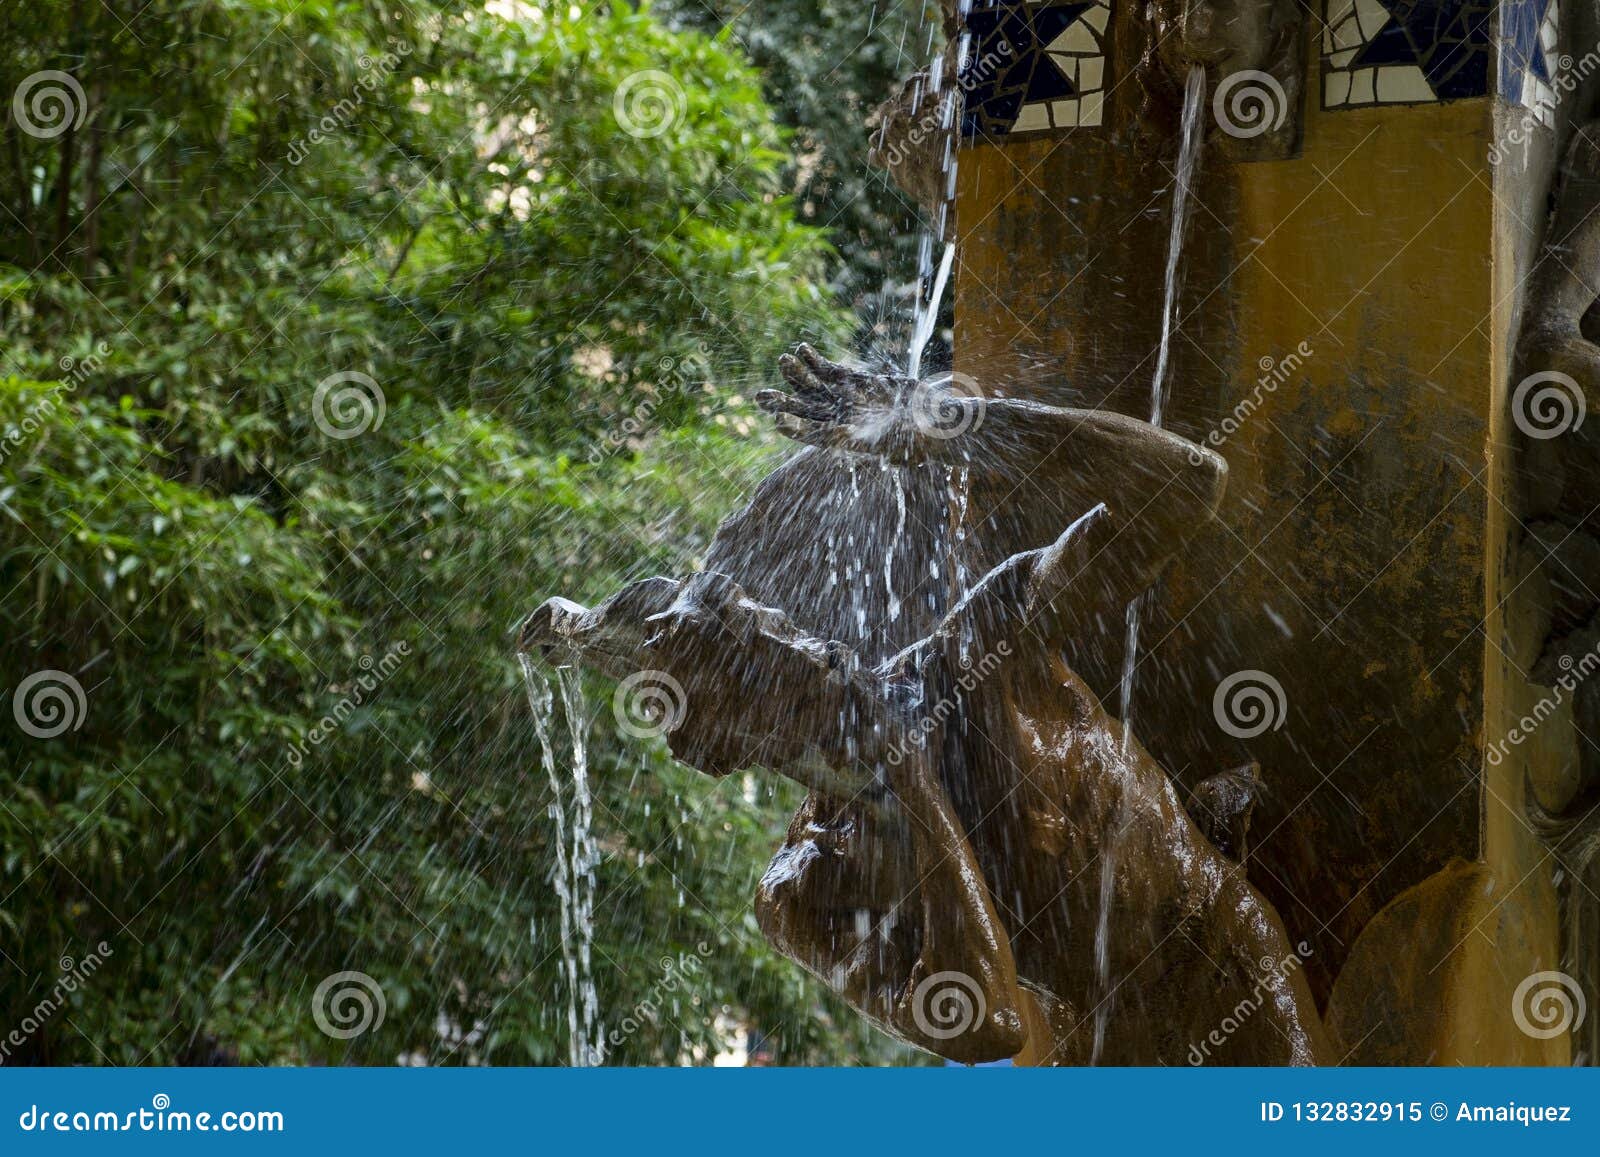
828 64
305 747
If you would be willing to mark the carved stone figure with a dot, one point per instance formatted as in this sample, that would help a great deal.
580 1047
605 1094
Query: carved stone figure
985 854
1556 374
1554 379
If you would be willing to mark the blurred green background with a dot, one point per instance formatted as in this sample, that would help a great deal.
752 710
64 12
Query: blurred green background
562 321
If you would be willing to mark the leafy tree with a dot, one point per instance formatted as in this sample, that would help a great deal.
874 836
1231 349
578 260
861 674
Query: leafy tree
337 334
828 64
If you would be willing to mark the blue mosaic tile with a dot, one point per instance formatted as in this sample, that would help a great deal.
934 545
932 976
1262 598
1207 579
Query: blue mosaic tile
1406 51
1034 67
1529 32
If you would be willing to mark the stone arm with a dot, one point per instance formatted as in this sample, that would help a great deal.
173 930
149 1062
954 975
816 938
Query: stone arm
1033 468
731 684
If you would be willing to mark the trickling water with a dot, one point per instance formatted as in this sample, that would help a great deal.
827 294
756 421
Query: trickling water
958 488
1194 99
1194 94
540 704
1130 665
584 858
1102 949
888 555
927 316
575 853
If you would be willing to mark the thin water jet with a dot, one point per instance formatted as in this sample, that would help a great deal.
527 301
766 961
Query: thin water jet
1189 146
927 314
1190 142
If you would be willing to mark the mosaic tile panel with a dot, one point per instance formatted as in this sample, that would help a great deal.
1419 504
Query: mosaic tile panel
1034 67
1405 51
1529 32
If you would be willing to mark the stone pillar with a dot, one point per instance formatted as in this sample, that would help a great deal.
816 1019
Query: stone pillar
1351 289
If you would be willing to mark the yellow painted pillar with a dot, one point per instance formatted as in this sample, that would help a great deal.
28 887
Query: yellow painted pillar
1347 314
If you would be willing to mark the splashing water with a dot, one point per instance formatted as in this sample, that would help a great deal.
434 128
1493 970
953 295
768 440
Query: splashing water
1194 94
576 853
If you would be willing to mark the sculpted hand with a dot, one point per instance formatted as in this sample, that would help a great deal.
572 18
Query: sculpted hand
841 408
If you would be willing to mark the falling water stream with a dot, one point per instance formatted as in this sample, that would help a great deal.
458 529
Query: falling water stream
927 314
576 857
570 809
1194 95
931 284
925 318
1194 99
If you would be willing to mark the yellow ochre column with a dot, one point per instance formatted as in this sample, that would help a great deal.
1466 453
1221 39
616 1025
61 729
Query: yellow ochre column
1350 287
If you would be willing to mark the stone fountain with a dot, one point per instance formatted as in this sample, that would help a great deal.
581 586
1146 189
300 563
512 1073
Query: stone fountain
964 779
1374 513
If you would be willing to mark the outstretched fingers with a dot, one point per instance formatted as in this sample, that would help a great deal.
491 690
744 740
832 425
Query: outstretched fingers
802 381
832 373
823 393
778 403
827 398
